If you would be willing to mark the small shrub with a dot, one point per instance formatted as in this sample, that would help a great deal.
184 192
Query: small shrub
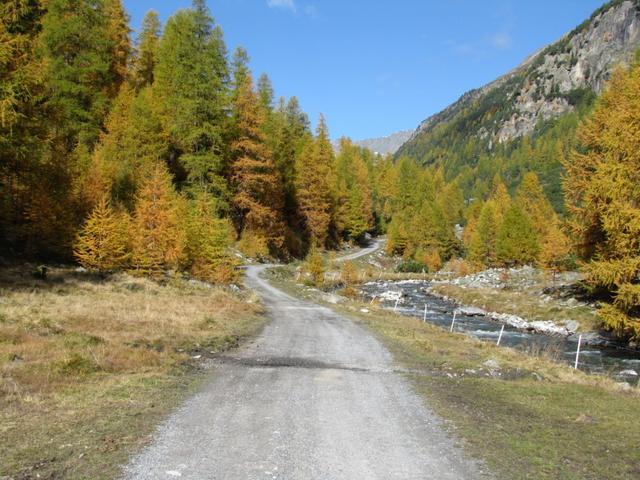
411 266
76 364
315 266
349 292
75 340
348 273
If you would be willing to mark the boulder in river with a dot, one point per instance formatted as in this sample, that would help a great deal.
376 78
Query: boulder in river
471 311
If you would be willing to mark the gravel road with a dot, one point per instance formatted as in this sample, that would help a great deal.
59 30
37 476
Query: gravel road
313 397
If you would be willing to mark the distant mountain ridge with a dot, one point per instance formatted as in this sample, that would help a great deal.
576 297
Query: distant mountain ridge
549 83
386 145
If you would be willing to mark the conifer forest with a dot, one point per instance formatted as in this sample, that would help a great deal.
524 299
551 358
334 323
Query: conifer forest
161 154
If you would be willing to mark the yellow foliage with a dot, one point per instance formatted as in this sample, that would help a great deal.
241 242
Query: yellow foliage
432 260
556 246
208 241
158 232
315 266
253 245
602 191
103 243
348 273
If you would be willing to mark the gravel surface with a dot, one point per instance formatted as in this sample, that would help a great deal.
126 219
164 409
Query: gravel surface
313 397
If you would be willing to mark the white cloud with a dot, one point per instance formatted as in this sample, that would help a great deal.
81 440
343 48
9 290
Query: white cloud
501 40
311 10
308 9
286 4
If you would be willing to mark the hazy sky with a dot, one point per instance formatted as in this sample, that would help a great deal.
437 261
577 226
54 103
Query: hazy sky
374 67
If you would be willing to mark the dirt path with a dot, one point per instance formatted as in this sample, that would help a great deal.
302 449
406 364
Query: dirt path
314 397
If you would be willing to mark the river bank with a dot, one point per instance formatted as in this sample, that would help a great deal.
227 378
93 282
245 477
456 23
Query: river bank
524 415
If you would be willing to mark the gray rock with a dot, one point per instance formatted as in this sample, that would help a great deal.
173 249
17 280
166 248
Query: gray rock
571 325
624 386
492 364
591 338
333 299
471 311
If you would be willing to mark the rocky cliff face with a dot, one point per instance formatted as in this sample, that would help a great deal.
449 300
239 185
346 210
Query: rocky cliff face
549 83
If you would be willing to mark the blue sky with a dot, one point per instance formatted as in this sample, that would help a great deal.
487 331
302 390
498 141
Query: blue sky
374 67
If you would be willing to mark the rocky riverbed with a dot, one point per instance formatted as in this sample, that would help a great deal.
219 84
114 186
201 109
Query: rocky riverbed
600 353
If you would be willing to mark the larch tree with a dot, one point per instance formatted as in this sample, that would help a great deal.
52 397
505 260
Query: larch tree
118 32
265 92
257 191
314 182
191 77
360 202
75 49
208 241
517 241
132 143
387 183
501 198
354 215
146 51
602 193
23 126
531 198
555 248
158 233
482 247
103 242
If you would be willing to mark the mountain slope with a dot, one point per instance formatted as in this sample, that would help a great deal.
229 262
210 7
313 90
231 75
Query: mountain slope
559 79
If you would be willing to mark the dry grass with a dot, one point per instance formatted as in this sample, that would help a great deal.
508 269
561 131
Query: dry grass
77 346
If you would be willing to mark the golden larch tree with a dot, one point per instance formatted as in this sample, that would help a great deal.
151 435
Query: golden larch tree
314 182
103 243
258 194
208 242
118 32
602 192
158 233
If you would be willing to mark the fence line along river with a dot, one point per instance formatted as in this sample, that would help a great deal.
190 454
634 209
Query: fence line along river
411 298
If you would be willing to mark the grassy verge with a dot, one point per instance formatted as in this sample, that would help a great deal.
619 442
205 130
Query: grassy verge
528 305
89 366
526 417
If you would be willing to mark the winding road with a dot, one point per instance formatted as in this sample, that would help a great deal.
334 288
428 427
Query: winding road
315 396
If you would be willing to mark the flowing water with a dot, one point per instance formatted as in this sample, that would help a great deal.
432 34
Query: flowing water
620 363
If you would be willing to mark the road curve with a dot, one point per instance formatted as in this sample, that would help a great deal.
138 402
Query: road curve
375 245
313 397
